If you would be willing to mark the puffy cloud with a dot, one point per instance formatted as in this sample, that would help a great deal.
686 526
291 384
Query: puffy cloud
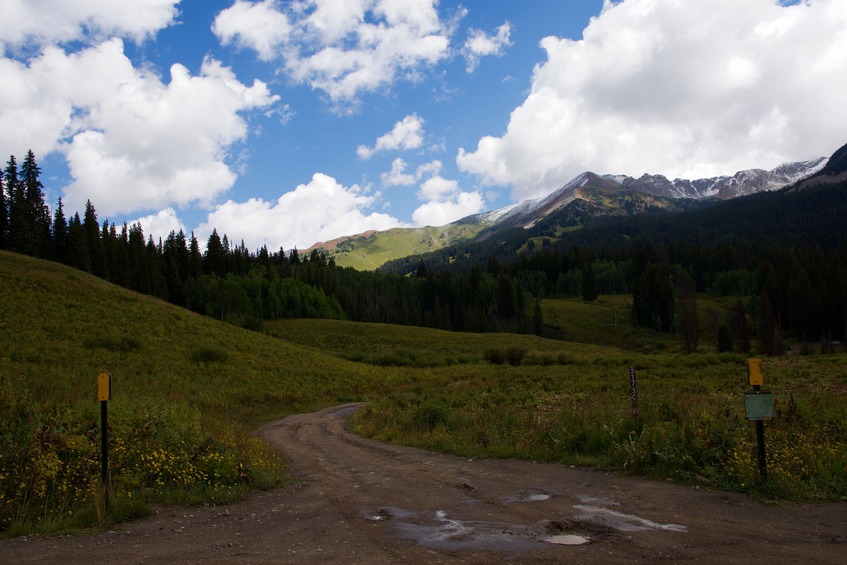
480 44
58 21
160 225
406 134
397 176
255 25
321 210
131 141
438 213
687 89
342 47
445 200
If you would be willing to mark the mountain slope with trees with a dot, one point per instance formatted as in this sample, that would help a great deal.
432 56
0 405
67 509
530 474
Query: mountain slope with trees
783 253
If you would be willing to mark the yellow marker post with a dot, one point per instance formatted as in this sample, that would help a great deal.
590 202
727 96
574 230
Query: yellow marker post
104 394
759 406
754 372
104 386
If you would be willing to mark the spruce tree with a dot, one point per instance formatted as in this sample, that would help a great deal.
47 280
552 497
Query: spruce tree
589 283
195 259
37 212
137 253
77 249
687 307
60 234
97 253
538 319
18 238
214 261
742 328
117 256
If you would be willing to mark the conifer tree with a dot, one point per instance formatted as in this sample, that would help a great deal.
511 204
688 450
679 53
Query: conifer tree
96 251
116 255
37 212
742 328
19 229
60 234
214 262
687 308
538 319
195 259
77 249
139 278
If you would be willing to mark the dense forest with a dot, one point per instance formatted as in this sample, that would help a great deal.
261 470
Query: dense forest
782 255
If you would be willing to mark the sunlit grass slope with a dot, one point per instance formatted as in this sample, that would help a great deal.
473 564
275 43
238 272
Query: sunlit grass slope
369 251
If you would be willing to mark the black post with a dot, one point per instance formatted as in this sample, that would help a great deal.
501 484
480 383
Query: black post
633 392
104 453
760 439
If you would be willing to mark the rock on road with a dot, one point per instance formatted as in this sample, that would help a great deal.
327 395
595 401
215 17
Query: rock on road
362 501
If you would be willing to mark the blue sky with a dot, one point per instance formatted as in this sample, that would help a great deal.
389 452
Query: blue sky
290 122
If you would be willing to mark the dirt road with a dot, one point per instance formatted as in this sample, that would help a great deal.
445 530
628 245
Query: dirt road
361 501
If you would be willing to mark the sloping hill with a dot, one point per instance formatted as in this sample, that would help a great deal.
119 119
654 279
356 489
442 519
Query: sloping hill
187 390
369 250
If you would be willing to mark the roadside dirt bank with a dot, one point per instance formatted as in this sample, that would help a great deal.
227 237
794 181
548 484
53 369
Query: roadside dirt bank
362 501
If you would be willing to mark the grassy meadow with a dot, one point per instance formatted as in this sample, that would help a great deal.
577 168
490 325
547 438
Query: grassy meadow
368 252
188 390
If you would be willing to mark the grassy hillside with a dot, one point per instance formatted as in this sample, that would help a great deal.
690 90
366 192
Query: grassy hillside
186 388
369 251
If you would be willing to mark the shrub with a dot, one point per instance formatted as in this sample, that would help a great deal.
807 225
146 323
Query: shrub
511 355
117 344
208 355
430 414
495 356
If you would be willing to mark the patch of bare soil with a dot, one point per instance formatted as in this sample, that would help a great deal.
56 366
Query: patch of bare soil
362 501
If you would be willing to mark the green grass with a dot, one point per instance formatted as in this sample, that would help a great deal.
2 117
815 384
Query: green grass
370 251
187 391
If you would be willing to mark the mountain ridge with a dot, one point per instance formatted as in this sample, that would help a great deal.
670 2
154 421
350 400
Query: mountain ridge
371 251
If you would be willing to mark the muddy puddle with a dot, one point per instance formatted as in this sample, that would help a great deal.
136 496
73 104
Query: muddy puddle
594 519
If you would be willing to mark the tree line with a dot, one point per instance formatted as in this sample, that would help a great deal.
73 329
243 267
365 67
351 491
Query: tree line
781 284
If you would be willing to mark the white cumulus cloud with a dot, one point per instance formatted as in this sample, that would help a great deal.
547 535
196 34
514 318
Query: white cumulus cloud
407 134
445 201
688 89
480 44
160 225
259 26
320 210
132 142
42 22
342 47
397 176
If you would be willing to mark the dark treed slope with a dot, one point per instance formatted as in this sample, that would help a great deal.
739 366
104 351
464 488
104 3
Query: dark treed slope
784 252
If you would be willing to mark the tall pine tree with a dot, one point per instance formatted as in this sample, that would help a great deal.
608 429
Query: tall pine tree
37 212
96 251
60 234
19 229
